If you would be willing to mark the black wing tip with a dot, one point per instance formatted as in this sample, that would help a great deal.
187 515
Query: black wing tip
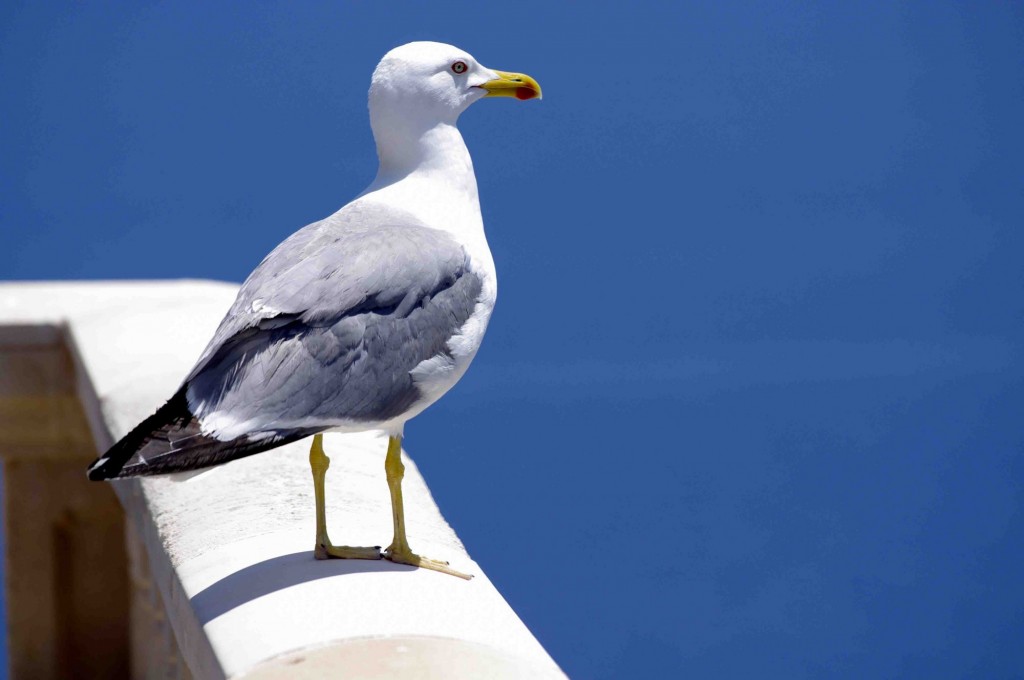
97 470
111 463
204 451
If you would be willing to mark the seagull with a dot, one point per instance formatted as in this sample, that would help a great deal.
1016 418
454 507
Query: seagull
359 321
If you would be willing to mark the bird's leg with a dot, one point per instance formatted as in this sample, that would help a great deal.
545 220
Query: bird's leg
399 550
319 462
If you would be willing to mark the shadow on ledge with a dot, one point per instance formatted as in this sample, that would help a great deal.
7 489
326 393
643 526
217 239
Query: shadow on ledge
276 574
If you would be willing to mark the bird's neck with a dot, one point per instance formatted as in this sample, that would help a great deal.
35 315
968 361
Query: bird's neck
428 172
435 154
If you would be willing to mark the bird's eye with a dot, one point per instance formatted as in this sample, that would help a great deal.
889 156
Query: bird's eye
459 67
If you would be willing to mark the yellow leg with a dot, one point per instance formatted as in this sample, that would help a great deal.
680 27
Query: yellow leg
319 462
399 550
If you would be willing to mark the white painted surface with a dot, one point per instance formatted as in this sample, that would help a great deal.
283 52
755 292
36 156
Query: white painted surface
231 550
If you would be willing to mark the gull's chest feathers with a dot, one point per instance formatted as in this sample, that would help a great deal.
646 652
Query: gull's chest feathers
458 220
448 203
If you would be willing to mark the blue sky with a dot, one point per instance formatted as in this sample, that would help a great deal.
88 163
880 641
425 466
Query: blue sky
751 398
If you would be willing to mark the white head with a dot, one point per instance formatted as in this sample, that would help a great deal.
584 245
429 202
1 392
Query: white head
423 85
432 80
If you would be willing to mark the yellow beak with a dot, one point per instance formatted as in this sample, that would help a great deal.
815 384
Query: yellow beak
518 85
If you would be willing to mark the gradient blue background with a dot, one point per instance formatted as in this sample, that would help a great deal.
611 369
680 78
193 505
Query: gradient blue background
751 400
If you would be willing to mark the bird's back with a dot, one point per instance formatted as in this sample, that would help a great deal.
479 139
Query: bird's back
336 328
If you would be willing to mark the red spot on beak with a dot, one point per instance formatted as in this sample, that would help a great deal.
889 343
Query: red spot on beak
524 93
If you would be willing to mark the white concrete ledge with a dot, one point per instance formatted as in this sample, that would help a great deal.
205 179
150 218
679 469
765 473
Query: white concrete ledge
230 550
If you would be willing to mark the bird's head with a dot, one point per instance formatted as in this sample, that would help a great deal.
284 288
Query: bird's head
439 81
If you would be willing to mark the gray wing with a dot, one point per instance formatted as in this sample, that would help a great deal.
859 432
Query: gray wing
329 326
326 330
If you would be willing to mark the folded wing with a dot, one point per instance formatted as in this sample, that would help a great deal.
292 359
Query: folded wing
325 332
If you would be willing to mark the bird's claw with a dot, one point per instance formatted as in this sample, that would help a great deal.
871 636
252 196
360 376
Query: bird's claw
325 551
414 560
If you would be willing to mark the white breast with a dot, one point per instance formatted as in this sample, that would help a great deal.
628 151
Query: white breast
440 191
